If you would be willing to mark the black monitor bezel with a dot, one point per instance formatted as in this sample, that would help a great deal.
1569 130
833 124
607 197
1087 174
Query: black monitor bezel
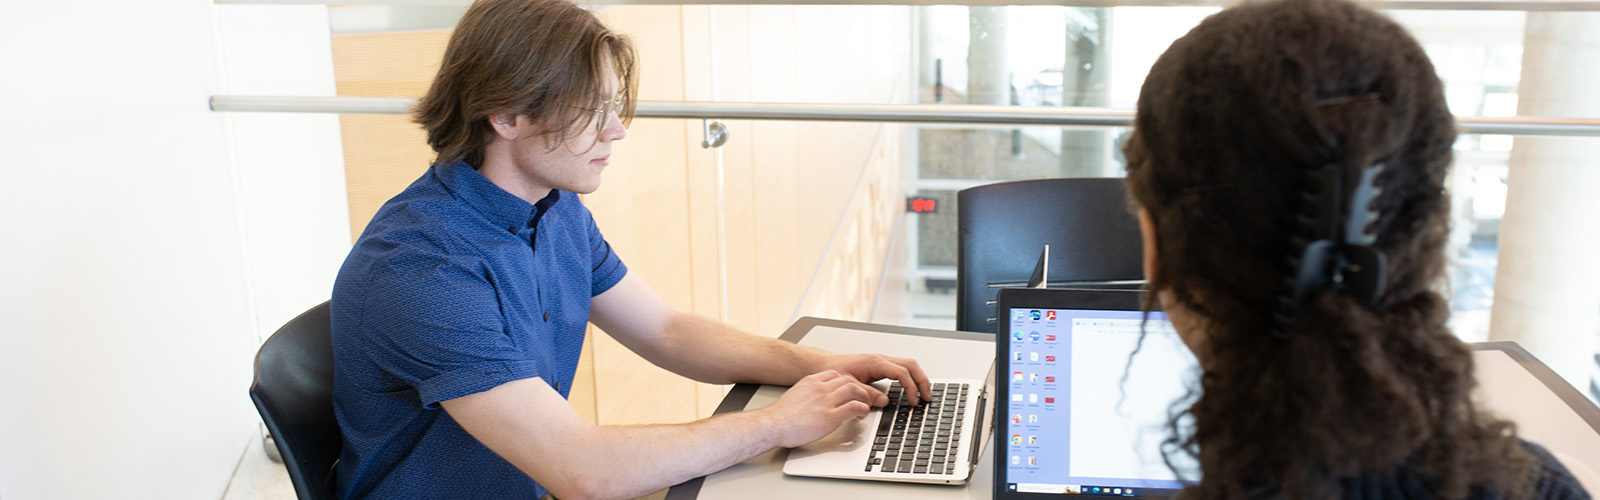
1046 298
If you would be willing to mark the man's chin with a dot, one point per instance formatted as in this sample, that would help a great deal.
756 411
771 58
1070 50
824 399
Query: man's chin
587 188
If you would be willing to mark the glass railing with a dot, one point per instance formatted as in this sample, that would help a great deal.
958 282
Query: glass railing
976 93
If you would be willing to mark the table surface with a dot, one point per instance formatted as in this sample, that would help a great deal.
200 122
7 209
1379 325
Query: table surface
1512 385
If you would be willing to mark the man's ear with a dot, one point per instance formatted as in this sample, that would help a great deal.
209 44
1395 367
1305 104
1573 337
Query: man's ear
1147 229
506 125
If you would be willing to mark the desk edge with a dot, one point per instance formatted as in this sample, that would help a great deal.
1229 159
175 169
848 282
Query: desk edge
1552 381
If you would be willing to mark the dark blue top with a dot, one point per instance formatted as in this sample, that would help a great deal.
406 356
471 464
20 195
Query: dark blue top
455 287
1550 481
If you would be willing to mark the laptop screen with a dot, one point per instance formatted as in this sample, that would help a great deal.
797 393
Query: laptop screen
1071 424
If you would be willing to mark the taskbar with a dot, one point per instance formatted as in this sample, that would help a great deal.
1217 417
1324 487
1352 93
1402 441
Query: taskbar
1073 489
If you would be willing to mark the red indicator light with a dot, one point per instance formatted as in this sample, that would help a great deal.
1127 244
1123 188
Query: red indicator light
922 205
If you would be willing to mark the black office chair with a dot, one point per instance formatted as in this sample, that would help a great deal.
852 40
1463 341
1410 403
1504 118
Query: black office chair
293 390
1094 240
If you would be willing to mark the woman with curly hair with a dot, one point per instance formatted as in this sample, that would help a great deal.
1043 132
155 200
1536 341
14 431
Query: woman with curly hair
1288 162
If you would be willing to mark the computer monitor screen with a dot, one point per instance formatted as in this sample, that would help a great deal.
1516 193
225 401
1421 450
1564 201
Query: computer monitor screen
1079 418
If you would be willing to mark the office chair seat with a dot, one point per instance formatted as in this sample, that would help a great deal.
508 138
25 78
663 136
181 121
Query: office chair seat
293 391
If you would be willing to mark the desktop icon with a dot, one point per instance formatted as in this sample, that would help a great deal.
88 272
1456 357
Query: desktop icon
1032 356
1016 418
1050 338
1034 314
1033 460
1016 460
1049 379
1033 419
1016 376
1016 439
1016 398
1033 439
1050 315
1019 356
1019 315
1049 359
1034 336
1033 398
1049 400
1018 335
1033 377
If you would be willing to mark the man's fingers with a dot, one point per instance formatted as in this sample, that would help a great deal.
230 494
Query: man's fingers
825 375
850 409
915 393
912 376
851 392
919 376
876 397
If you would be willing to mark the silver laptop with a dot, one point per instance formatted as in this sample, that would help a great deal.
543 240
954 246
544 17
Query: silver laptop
935 442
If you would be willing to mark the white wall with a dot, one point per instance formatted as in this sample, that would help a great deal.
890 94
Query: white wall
135 279
290 167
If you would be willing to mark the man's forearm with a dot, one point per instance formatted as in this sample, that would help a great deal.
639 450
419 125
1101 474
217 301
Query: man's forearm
631 461
711 352
530 425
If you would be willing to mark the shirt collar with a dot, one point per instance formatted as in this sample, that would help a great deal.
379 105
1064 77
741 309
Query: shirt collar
500 207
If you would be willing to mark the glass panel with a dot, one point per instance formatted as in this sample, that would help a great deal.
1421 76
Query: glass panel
1478 192
1030 56
345 20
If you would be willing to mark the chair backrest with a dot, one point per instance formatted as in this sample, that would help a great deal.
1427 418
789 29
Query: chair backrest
1094 240
293 390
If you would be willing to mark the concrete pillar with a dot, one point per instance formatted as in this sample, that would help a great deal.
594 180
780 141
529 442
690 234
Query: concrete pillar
925 48
1547 283
1083 83
988 78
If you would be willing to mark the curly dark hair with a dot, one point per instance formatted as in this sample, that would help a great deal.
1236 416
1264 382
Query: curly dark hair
1229 121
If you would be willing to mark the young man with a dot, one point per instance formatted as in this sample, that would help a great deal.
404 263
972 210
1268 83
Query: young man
460 313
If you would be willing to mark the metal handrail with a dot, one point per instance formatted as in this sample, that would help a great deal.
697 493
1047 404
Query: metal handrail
1508 5
898 113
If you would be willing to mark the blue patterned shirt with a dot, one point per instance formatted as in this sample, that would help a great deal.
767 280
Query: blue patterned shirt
455 287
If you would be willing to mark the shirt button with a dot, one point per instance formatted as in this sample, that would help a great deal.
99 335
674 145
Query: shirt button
547 317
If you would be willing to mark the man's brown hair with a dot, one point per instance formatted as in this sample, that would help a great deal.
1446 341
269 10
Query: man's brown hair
539 58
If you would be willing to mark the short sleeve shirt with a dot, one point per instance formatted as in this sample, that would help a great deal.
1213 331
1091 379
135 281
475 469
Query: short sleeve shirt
455 287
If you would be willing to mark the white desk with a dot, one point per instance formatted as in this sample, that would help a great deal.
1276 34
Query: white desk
1513 385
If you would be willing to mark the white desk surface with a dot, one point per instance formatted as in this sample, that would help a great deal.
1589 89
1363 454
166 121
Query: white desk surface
1512 385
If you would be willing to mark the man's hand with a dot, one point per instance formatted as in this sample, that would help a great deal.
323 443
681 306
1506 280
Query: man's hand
816 405
869 368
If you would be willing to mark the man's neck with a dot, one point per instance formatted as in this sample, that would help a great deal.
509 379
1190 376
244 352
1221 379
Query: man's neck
503 172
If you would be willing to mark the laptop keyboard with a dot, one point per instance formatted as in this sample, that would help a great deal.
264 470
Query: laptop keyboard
920 439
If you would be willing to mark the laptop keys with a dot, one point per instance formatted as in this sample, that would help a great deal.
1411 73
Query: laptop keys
919 439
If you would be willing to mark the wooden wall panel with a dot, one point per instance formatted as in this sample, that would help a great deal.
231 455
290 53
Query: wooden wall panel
383 153
643 209
708 258
777 170
700 163
731 54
